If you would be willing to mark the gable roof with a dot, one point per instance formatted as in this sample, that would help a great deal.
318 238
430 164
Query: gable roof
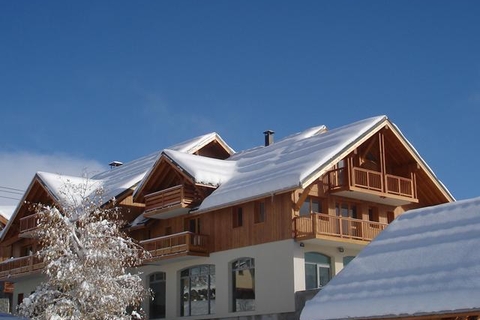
297 161
425 262
202 170
116 181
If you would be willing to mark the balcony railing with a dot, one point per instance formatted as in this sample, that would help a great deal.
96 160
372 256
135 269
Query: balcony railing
175 196
185 243
341 179
28 224
16 267
320 224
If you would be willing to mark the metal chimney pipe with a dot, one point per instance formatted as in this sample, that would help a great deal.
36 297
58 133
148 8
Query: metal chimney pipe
268 137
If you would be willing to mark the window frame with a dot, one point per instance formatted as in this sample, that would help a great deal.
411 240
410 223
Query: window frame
317 266
188 274
243 264
260 212
237 217
151 302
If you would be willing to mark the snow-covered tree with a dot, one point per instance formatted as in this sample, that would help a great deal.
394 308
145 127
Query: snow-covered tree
87 258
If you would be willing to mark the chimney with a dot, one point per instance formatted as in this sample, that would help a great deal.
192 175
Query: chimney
268 137
114 164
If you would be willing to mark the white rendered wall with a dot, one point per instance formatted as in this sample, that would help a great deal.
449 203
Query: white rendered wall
25 286
274 279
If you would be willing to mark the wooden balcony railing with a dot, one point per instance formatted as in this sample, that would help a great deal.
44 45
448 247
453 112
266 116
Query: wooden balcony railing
306 227
175 196
28 224
20 266
341 179
185 243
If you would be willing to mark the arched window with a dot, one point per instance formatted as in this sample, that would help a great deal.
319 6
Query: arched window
157 304
197 290
243 284
317 270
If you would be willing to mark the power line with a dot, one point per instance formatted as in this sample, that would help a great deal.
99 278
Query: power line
14 192
14 189
9 198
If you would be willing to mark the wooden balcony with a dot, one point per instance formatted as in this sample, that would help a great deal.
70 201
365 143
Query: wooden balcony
28 225
366 184
22 266
176 245
320 225
169 202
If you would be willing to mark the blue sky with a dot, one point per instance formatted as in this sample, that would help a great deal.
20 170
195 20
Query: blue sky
85 83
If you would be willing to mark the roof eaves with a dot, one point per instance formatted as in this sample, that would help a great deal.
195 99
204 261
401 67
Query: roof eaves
253 198
141 184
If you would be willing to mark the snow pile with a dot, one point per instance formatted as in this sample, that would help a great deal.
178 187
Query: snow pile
425 262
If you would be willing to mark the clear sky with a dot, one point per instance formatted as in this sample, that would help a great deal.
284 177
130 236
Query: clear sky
83 83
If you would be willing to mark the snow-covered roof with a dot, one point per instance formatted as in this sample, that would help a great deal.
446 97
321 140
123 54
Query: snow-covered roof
425 262
117 180
203 170
290 163
7 211
195 144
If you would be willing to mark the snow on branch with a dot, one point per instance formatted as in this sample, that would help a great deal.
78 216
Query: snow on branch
86 257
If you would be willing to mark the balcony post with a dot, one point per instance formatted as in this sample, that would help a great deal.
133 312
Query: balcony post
314 223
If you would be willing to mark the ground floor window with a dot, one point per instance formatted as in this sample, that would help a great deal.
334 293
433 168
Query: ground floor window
317 270
197 290
243 284
157 304
347 260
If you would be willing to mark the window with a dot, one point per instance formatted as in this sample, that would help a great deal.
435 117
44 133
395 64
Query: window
243 285
311 205
347 227
193 225
317 270
259 214
347 260
157 304
347 210
237 217
390 216
373 214
197 290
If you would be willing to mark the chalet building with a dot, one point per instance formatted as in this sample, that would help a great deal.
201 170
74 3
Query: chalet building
251 234
424 266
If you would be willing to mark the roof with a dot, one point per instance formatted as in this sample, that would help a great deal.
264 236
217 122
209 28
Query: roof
294 162
426 262
115 181
203 170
